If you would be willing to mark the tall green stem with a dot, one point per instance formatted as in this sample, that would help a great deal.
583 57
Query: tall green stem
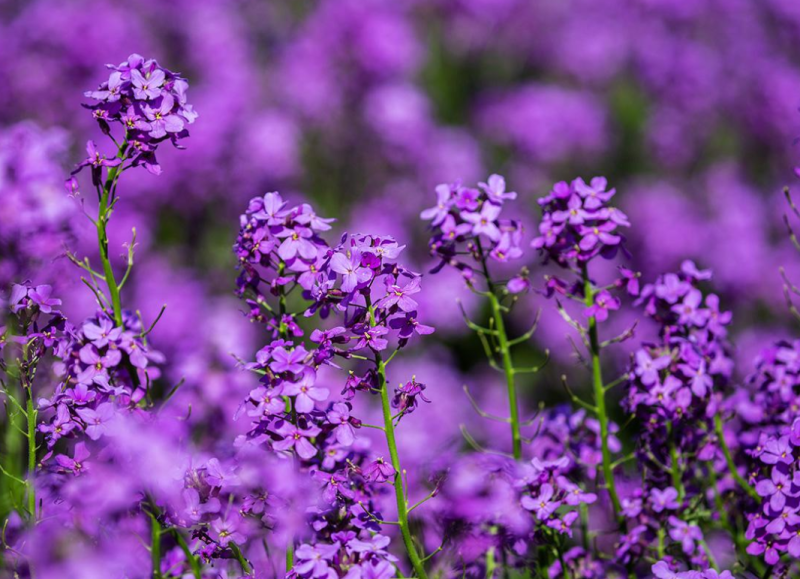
745 486
505 354
508 370
102 236
391 442
155 546
31 412
600 396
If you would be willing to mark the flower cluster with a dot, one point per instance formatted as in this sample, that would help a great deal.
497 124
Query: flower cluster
105 370
663 570
769 403
578 223
149 102
467 220
675 379
774 528
280 250
674 387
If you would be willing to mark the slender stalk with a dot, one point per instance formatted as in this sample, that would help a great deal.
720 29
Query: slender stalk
508 370
491 563
600 397
675 466
102 236
237 553
391 442
290 555
31 414
155 546
505 354
746 487
197 570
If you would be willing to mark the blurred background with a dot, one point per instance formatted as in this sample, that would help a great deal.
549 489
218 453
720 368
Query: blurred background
363 106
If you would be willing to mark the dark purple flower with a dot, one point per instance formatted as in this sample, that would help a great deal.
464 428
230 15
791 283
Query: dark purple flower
379 471
543 505
603 303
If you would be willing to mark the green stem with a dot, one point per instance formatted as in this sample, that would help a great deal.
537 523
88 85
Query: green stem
290 556
675 466
719 503
102 236
746 487
391 442
237 553
491 564
505 354
600 398
508 370
31 413
197 570
155 546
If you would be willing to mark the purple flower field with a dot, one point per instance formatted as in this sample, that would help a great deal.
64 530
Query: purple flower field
360 289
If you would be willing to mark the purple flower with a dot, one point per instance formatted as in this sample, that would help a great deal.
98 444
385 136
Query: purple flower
305 391
688 310
340 416
296 242
269 401
564 525
575 495
97 366
595 195
596 234
574 213
195 509
684 533
647 368
335 483
495 189
444 200
371 336
148 85
777 451
284 360
405 396
483 223
379 471
671 289
375 546
397 295
102 333
61 425
225 531
603 303
408 325
349 266
543 504
296 438
452 231
701 381
76 464
664 499
161 118
778 488
40 296
312 560
270 208
97 420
